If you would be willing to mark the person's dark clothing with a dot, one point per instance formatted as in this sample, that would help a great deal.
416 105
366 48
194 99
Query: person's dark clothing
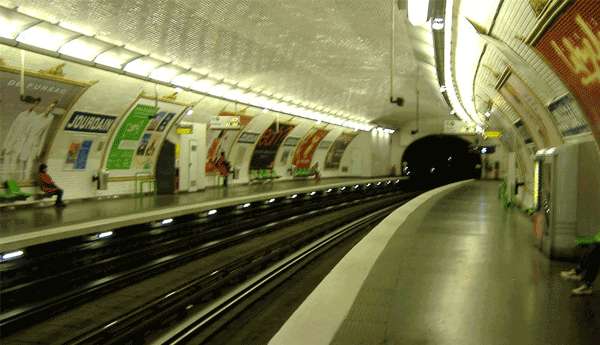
590 265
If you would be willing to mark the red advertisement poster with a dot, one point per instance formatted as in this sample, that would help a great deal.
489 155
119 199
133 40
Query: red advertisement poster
572 47
221 140
306 149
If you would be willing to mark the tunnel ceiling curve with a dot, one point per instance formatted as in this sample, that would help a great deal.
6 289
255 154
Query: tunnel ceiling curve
328 53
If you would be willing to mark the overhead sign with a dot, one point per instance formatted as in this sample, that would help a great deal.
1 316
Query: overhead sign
493 134
225 122
90 123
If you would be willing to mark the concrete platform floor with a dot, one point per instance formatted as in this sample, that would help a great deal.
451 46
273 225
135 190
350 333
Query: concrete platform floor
465 271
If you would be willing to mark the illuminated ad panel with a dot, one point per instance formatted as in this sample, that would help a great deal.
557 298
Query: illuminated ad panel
572 47
305 151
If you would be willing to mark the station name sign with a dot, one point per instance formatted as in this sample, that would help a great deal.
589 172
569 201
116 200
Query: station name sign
90 123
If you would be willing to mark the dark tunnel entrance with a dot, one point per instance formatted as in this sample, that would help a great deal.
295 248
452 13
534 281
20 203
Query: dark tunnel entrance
440 159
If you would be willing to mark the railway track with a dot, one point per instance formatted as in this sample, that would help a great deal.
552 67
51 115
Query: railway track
202 236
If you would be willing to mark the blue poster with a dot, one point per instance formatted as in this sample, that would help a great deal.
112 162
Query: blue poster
82 156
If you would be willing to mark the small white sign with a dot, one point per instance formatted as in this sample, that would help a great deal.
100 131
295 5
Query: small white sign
225 122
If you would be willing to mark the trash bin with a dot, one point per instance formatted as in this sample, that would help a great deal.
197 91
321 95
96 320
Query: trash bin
102 179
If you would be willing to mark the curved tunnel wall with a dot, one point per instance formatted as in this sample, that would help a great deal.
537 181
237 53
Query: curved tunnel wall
112 97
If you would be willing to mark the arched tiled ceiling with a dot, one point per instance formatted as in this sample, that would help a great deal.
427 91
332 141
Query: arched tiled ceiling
320 52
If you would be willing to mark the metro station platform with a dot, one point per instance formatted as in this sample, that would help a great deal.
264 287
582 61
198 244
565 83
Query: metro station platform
450 267
29 226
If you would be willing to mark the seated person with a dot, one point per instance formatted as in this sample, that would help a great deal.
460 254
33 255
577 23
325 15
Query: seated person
49 187
585 272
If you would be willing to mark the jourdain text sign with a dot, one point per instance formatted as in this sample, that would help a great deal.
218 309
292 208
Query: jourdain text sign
90 123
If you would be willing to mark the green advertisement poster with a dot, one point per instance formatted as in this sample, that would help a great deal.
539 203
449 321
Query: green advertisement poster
128 136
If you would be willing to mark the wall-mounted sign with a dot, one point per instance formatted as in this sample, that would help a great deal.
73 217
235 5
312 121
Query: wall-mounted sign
248 138
90 123
183 130
225 122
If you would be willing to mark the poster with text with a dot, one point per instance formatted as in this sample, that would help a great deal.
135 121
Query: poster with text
28 122
337 149
307 147
267 146
222 140
571 46
137 141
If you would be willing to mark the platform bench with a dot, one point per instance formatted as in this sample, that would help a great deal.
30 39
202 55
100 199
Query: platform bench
264 175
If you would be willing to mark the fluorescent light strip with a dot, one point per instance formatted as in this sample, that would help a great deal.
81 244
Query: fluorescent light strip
70 40
450 89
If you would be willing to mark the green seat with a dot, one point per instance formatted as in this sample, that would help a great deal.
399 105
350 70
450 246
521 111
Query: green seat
587 240
14 191
5 197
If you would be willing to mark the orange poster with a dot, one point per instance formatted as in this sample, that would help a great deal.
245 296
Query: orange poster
306 149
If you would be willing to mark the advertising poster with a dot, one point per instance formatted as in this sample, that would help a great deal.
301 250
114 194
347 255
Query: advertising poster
336 151
137 141
220 139
532 122
77 154
267 146
27 124
571 46
127 139
305 151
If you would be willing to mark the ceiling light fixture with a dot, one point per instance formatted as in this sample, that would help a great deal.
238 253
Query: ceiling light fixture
35 32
